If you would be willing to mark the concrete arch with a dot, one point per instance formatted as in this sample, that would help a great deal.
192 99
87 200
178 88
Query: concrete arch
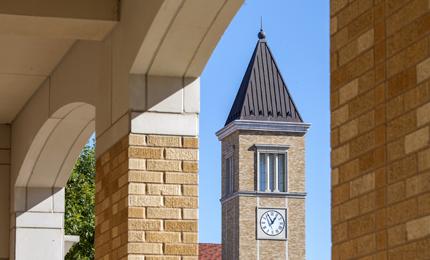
56 146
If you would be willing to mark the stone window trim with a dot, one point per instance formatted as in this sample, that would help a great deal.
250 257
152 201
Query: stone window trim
276 150
229 171
229 164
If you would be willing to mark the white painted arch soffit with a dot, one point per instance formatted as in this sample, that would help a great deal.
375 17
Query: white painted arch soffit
182 37
55 148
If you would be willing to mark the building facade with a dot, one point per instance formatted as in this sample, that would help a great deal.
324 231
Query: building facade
129 71
263 167
380 129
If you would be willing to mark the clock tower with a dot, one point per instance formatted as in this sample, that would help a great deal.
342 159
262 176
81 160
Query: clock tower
263 167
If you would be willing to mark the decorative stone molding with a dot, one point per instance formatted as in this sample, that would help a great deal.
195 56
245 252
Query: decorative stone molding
294 195
270 126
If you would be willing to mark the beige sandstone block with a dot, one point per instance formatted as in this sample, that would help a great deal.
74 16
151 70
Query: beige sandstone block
116 242
144 176
145 248
145 200
339 116
137 236
181 154
423 114
190 214
348 91
136 164
181 202
336 5
181 225
164 237
136 188
418 184
333 25
144 224
162 165
136 139
190 237
418 228
356 47
424 160
164 141
163 213
164 189
181 178
114 231
145 152
365 41
181 249
105 158
159 257
396 235
340 155
348 130
191 142
190 190
335 177
188 166
362 185
417 140
136 212
423 70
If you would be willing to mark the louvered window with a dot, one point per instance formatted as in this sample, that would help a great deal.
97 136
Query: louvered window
272 169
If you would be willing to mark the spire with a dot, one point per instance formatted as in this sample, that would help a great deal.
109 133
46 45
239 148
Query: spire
261 34
263 94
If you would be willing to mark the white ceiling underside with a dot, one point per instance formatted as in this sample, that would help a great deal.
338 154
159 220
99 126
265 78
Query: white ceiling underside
35 36
25 62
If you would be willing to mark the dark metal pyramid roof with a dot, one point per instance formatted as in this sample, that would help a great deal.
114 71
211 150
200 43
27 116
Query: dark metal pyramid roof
263 94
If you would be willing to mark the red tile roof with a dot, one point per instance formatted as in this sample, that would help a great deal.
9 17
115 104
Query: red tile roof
210 251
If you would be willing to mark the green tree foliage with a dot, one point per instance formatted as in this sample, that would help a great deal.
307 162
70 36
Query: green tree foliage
79 216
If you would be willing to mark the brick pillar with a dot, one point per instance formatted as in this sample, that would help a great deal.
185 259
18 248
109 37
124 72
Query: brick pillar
147 198
380 128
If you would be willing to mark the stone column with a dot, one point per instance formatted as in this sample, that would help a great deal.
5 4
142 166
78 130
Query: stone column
146 182
38 223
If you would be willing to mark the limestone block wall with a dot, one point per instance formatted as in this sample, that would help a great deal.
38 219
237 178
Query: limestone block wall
229 146
380 132
239 229
230 232
4 190
239 213
146 199
295 158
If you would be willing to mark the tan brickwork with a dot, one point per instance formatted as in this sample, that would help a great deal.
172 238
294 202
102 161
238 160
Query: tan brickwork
147 199
239 213
380 134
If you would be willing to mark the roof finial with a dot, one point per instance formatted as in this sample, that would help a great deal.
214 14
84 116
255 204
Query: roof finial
261 34
261 23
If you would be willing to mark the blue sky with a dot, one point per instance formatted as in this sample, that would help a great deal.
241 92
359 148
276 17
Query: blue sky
298 35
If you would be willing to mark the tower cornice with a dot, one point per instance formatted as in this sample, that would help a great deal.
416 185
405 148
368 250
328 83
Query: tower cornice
265 126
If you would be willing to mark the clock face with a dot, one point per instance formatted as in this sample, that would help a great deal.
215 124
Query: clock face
272 223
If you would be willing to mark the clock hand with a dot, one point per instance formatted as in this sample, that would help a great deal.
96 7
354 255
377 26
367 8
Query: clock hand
273 220
269 219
